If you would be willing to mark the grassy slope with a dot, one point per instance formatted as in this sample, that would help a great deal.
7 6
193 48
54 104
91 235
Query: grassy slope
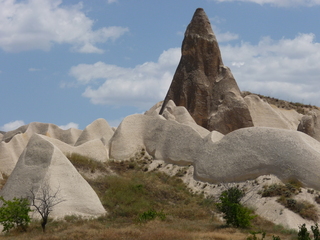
129 192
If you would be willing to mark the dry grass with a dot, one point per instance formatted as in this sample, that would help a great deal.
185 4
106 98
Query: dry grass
157 230
132 192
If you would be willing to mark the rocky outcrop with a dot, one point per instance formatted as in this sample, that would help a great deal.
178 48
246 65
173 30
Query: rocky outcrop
160 138
178 114
205 87
93 142
267 115
310 124
69 136
43 163
98 129
251 152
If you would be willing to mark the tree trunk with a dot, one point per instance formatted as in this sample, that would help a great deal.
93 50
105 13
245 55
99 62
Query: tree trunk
43 224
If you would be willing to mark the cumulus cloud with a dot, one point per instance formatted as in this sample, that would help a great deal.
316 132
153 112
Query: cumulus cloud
279 3
226 36
286 68
12 125
37 24
141 86
69 125
220 35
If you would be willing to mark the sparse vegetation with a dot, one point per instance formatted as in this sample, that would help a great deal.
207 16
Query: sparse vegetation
151 215
167 209
85 163
285 193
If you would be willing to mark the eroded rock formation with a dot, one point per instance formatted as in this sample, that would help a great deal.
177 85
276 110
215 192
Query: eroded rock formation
203 85
310 124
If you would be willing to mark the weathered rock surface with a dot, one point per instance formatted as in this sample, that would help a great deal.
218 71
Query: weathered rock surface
265 115
205 87
162 139
14 142
310 124
179 114
251 152
69 136
43 163
10 153
98 129
93 149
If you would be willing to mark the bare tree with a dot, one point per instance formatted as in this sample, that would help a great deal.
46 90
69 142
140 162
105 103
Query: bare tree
43 200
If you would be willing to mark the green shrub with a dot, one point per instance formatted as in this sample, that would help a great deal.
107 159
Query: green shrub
234 212
151 215
316 232
303 233
254 236
14 213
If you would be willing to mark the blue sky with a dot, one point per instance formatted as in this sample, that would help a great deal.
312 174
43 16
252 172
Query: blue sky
70 62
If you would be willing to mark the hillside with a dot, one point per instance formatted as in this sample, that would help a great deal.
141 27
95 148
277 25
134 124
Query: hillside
159 175
132 194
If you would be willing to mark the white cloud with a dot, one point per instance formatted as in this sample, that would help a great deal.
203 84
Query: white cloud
112 1
141 86
279 3
12 125
225 37
287 68
222 36
69 125
37 24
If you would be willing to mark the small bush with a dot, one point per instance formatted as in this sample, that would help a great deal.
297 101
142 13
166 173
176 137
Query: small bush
151 215
303 233
316 232
15 213
234 212
255 237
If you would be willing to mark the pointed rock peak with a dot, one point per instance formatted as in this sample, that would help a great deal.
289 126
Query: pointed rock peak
203 85
200 26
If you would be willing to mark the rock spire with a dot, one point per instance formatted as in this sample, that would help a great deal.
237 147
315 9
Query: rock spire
203 85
